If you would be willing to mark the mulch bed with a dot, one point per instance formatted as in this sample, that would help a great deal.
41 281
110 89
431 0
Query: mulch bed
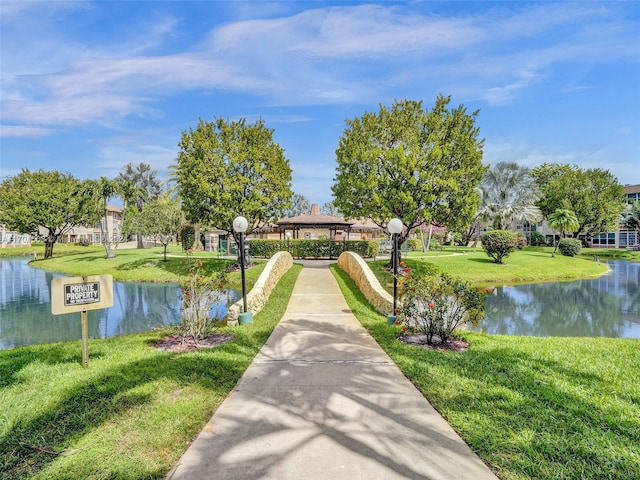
187 343
420 340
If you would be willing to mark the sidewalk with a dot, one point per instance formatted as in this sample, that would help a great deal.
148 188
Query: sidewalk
321 400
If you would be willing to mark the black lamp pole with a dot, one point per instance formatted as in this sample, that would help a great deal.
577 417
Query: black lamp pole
394 264
244 285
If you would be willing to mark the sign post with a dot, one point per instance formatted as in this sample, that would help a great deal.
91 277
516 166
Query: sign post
79 294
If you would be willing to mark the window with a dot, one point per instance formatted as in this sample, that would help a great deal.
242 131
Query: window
604 239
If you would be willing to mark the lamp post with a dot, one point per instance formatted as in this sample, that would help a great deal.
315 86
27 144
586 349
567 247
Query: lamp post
288 235
395 227
240 225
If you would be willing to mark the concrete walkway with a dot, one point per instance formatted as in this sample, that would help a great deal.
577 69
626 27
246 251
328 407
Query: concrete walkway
321 400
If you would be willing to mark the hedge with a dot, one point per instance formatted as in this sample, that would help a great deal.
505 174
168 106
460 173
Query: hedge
300 248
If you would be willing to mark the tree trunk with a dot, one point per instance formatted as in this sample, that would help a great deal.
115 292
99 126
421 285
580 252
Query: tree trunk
197 243
48 246
140 242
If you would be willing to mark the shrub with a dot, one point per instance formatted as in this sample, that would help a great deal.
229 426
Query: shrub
499 244
569 247
437 304
187 237
199 294
414 244
521 241
537 239
435 244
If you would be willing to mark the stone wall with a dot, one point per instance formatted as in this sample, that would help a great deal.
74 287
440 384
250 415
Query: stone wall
276 267
366 281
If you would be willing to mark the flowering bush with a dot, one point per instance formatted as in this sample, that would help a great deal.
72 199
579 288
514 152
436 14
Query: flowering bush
498 244
437 304
199 294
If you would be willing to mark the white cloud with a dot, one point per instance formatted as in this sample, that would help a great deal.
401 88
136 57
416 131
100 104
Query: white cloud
364 53
23 131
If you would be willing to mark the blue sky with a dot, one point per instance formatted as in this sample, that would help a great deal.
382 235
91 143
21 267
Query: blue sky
88 86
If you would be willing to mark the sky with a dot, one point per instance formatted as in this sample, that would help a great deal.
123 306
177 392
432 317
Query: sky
89 86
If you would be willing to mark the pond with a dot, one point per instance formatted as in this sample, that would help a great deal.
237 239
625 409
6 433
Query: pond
26 318
608 306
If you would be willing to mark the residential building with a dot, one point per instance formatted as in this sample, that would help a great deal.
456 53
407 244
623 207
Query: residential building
111 223
623 237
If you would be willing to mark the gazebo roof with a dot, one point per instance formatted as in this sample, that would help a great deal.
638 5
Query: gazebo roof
315 219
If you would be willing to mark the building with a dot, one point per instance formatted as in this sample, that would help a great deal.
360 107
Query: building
9 239
623 238
111 223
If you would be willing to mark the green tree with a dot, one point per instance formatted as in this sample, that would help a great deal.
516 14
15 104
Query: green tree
31 202
138 184
562 220
95 196
299 206
329 208
630 217
418 165
230 168
594 195
161 220
508 194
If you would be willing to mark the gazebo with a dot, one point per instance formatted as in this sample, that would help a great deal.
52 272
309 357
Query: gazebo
314 221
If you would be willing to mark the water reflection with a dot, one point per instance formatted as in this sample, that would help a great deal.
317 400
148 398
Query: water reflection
26 318
608 306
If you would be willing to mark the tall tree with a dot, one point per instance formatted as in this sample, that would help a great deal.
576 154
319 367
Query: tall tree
161 220
594 195
95 195
230 168
299 206
48 200
138 184
329 208
421 166
630 217
562 220
508 194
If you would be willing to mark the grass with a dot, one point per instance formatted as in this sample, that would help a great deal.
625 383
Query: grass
530 407
144 265
533 264
131 414
58 250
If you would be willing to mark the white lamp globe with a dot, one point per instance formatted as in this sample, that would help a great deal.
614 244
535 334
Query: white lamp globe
394 225
240 224
288 234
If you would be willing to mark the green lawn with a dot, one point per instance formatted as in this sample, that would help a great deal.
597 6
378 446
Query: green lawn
144 265
131 414
58 249
532 408
528 265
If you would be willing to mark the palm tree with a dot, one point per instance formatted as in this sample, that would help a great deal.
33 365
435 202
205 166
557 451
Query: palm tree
562 220
508 193
630 217
138 185
96 195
